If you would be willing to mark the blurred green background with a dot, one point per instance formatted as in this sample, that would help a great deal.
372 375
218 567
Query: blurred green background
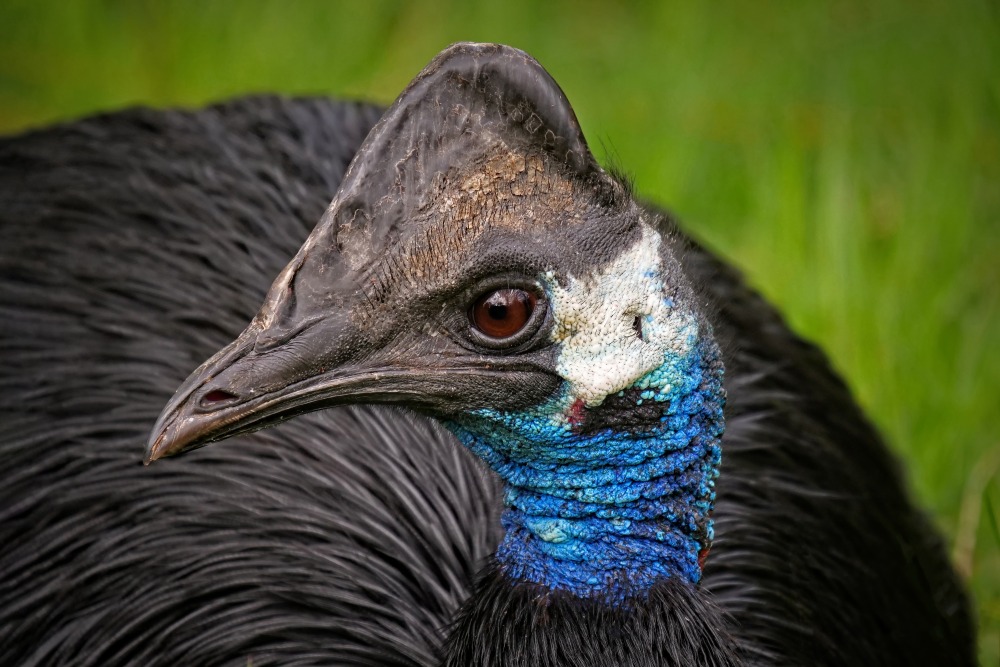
845 154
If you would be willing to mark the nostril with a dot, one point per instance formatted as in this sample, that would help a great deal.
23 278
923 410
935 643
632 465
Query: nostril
216 396
266 343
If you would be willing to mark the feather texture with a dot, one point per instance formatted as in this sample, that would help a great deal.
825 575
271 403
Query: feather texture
134 244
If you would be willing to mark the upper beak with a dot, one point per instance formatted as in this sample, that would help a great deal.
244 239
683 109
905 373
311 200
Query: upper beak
247 386
297 355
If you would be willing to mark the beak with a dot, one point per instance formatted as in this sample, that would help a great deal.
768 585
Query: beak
201 413
298 355
255 382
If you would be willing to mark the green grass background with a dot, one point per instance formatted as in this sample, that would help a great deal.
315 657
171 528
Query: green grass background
845 154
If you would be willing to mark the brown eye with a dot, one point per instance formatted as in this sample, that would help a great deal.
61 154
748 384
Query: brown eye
502 313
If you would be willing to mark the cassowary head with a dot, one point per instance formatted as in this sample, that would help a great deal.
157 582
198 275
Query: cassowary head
479 266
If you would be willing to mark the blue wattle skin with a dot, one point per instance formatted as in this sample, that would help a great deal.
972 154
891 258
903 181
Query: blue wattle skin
606 513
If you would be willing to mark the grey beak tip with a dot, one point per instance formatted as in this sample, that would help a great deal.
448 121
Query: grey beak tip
152 448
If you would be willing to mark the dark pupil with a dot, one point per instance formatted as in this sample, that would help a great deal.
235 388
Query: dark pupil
497 311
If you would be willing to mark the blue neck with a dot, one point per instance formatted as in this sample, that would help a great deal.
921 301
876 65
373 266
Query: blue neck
605 501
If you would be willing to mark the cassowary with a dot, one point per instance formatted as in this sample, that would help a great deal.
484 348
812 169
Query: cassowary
577 437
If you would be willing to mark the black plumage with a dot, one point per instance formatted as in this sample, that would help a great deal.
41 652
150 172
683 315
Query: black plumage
133 245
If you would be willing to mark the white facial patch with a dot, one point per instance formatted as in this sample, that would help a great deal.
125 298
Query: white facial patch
595 322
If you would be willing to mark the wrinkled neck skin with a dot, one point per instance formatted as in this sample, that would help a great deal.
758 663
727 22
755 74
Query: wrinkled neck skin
609 486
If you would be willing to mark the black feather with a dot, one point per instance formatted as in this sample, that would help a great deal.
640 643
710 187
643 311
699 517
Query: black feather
672 626
133 245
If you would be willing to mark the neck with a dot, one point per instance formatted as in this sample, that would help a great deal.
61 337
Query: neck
604 501
673 625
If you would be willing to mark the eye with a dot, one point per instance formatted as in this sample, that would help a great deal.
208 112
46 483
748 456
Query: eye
503 312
